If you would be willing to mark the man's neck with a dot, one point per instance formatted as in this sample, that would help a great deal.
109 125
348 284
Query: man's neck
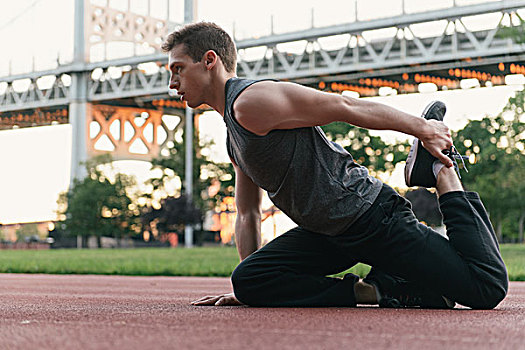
217 101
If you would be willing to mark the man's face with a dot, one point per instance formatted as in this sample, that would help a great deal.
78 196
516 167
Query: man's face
187 77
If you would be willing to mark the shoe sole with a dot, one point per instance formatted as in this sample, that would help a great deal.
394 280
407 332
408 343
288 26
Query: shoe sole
412 155
413 151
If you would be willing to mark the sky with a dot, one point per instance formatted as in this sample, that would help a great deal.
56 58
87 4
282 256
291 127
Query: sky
36 34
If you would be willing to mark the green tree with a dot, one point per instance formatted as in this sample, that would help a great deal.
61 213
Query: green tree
26 232
515 32
205 173
96 206
173 215
495 146
369 151
211 183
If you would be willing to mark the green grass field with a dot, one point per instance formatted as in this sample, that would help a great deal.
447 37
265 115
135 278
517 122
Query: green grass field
207 261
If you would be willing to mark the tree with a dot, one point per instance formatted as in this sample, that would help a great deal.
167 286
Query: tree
96 206
211 181
495 146
173 215
369 151
27 232
515 32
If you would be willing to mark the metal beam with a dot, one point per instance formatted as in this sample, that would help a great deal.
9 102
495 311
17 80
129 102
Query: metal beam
396 21
189 16
309 34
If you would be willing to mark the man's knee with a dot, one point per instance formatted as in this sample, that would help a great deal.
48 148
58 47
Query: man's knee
254 281
492 294
240 282
490 301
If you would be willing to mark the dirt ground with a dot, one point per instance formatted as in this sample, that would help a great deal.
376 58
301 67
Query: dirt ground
120 312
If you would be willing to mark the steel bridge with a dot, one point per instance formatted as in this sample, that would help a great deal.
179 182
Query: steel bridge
362 60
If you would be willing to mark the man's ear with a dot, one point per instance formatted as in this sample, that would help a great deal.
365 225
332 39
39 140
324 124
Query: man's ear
210 59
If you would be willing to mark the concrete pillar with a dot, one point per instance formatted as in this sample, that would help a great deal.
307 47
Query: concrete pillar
78 104
188 229
189 16
77 119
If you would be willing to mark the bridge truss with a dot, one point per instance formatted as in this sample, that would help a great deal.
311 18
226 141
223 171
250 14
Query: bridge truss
400 60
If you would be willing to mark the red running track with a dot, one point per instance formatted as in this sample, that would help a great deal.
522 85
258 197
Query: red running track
120 312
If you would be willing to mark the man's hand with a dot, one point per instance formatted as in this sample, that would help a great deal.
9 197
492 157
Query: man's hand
436 139
219 300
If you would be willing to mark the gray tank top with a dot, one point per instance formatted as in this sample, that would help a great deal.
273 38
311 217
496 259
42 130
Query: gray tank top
312 180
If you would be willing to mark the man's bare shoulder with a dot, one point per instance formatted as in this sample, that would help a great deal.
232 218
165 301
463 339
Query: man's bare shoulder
257 95
271 89
268 105
252 104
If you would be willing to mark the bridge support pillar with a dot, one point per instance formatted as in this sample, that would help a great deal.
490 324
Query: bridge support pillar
78 120
188 229
189 16
78 95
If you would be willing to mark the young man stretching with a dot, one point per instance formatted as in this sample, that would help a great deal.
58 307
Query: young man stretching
344 215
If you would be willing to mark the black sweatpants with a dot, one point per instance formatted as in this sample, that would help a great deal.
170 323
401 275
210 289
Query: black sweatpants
467 268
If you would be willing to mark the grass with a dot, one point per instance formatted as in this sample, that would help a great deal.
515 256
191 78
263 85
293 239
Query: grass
218 261
514 257
206 261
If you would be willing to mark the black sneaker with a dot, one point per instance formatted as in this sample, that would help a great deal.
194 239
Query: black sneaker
396 292
421 167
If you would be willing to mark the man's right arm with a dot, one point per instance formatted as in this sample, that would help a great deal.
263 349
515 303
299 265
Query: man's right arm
248 197
285 105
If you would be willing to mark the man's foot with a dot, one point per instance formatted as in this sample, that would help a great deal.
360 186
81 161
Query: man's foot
396 292
421 167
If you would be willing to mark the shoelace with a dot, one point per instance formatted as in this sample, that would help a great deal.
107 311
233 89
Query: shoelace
453 154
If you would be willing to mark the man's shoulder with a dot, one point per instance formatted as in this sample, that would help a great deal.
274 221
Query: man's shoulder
253 107
234 89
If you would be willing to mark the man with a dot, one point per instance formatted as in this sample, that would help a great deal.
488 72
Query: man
344 215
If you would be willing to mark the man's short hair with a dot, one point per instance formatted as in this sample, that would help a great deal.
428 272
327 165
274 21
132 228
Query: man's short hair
201 37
